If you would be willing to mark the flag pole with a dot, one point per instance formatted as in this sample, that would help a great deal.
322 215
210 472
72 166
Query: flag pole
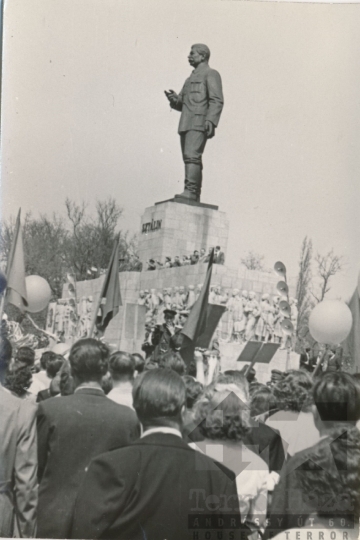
103 288
9 263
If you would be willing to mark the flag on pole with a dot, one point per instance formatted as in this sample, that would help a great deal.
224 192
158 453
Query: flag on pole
196 321
110 290
351 345
15 271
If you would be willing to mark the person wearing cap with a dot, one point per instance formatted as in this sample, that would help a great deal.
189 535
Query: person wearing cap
276 376
162 334
176 340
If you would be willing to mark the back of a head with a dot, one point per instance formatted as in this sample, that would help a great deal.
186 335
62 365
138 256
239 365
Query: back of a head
67 385
158 397
54 364
332 473
121 366
89 360
202 49
172 360
337 397
194 390
262 401
5 356
239 379
223 413
18 379
139 362
45 357
293 392
25 355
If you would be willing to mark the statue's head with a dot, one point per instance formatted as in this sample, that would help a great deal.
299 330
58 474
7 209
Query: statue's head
199 53
235 292
245 294
181 290
141 294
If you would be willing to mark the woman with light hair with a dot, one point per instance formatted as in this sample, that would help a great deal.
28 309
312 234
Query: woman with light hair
223 417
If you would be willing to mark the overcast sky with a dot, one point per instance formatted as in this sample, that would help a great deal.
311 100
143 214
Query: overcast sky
84 115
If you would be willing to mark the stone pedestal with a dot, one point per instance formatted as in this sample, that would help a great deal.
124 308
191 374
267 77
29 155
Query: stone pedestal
173 228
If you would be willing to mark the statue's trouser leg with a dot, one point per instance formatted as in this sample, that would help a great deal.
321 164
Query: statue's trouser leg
192 147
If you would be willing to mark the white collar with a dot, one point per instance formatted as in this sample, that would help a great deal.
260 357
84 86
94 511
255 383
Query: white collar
88 386
167 430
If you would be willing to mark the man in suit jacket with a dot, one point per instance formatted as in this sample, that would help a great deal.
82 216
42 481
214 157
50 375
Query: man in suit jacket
72 430
219 256
200 102
18 459
156 487
336 408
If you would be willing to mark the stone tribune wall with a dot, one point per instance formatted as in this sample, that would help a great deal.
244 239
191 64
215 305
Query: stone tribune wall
132 282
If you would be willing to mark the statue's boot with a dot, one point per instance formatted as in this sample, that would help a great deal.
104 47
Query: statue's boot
193 180
186 194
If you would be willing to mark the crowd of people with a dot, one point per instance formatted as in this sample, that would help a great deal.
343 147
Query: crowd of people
100 443
186 260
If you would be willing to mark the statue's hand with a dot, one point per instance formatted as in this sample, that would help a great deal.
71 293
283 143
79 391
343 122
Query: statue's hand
172 96
210 129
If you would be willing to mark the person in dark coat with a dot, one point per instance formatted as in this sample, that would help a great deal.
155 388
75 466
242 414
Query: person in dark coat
336 409
162 334
156 487
72 430
18 459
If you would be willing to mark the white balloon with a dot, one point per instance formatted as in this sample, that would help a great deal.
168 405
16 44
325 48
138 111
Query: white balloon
38 293
330 322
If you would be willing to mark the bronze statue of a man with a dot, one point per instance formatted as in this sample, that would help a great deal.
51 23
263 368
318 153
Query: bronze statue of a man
200 102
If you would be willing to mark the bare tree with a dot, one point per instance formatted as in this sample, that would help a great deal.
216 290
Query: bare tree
303 286
253 261
92 238
327 266
44 243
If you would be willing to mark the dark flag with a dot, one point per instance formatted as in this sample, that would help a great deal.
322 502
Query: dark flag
110 291
196 322
15 271
214 313
351 345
